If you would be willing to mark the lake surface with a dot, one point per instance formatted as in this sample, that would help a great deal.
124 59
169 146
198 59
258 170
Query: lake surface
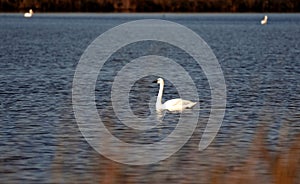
41 141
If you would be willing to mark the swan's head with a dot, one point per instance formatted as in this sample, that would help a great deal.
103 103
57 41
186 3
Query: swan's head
266 17
160 81
30 11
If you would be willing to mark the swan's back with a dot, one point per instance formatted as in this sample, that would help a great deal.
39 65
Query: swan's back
178 104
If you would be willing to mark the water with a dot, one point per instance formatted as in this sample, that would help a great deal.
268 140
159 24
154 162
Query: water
41 142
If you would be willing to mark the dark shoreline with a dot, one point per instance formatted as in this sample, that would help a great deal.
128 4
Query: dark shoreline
159 6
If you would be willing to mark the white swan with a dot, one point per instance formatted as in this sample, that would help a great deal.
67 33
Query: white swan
265 20
28 15
177 104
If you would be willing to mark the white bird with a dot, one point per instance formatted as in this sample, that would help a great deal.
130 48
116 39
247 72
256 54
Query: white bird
265 20
177 104
28 14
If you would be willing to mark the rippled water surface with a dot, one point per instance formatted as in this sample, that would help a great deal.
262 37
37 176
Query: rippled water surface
41 141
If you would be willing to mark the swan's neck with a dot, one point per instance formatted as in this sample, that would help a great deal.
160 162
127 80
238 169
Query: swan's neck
159 96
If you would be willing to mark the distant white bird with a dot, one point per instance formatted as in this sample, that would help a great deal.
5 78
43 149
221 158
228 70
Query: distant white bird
177 104
265 20
28 14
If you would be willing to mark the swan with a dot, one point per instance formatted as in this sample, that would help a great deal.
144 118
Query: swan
28 14
265 20
177 104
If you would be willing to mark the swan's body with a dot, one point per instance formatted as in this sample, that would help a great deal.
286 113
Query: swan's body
28 14
177 104
265 20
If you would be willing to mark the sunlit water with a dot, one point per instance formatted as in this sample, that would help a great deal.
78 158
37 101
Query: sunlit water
41 142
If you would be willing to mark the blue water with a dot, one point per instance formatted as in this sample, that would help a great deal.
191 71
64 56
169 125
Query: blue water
41 142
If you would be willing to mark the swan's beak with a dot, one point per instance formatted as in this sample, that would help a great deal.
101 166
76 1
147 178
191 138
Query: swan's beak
154 81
